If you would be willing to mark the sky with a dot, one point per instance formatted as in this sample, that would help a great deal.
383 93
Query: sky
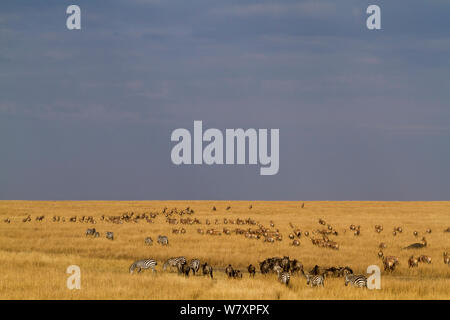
88 114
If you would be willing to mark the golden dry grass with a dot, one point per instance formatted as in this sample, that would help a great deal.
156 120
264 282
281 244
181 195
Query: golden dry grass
34 256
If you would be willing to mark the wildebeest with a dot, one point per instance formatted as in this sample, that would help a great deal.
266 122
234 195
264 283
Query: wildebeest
207 270
229 271
183 268
251 270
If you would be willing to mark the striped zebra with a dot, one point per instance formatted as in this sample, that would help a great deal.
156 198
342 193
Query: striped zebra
314 280
194 264
110 235
284 277
173 262
163 240
359 281
143 264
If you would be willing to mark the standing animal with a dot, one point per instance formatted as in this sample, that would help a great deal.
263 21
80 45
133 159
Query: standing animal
251 270
283 276
229 271
314 280
173 262
163 240
90 232
390 263
447 258
194 264
183 268
425 259
237 274
143 264
110 235
413 262
359 281
148 241
207 270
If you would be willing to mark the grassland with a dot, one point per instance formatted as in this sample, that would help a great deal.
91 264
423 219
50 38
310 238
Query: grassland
34 255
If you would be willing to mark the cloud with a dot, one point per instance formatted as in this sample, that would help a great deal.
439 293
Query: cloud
277 9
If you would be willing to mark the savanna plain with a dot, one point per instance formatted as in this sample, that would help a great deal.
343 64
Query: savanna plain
34 255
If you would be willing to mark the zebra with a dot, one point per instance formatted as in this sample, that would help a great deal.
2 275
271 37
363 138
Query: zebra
143 264
314 280
207 269
251 270
90 232
194 264
109 235
284 277
173 262
163 240
359 281
148 241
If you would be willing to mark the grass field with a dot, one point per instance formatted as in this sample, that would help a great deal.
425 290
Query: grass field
34 255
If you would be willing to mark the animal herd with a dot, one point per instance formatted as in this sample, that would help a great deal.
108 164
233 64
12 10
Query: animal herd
325 236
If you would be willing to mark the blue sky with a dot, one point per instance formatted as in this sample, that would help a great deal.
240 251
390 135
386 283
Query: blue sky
363 115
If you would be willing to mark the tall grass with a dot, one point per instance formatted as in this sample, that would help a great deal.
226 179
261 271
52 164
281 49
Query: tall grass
34 255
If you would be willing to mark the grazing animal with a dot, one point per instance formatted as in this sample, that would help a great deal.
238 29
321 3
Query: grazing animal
194 264
417 245
447 258
90 232
237 274
173 262
251 270
143 264
7 220
390 263
413 262
415 233
148 241
284 277
295 243
96 234
163 240
314 280
207 270
359 281
428 230
110 235
183 268
229 271
425 259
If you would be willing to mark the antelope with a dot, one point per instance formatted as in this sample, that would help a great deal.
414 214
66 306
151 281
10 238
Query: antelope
413 262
